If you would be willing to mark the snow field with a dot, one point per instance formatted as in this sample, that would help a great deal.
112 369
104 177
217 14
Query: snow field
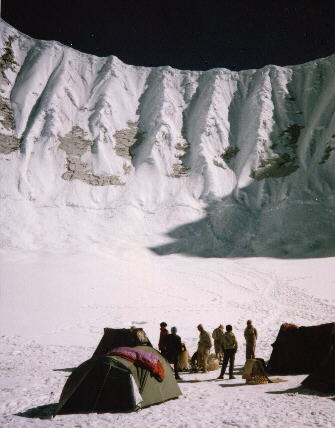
54 307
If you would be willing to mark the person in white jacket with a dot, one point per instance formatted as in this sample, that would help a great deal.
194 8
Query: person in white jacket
217 335
250 335
204 345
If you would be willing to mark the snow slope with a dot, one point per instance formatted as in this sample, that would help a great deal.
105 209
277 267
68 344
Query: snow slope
131 195
248 152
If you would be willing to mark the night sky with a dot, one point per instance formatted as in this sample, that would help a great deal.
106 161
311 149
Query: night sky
185 34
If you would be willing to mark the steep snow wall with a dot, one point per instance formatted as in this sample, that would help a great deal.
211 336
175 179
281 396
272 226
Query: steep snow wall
226 163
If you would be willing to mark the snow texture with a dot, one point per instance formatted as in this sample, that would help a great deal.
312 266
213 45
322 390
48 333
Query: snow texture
252 151
132 195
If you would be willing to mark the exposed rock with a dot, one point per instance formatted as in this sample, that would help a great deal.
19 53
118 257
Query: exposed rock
285 163
8 144
182 145
90 178
179 169
75 144
7 60
274 168
291 135
6 115
229 154
126 168
218 163
329 148
126 138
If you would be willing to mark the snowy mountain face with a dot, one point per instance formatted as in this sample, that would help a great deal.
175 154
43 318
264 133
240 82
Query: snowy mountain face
216 163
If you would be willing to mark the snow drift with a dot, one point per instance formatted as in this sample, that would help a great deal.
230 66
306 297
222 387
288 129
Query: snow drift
224 163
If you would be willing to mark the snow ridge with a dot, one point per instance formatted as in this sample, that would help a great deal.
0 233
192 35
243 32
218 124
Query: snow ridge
78 131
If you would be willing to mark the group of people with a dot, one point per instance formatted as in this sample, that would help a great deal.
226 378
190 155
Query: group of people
225 346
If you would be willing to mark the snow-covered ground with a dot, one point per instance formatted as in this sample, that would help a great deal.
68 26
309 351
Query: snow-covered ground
53 308
131 195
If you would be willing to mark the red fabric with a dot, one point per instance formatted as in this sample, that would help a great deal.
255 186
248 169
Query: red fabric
162 337
287 325
141 358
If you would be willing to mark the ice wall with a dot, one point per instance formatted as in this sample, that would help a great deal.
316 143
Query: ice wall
88 133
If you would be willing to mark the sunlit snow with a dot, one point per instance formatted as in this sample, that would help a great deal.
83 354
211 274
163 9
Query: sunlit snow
133 195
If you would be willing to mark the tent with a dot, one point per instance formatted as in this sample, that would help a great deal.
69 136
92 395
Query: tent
114 337
323 378
111 383
300 350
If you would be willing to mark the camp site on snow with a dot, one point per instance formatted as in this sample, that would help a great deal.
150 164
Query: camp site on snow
125 372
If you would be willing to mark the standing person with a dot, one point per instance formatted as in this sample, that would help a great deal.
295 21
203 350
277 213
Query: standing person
230 346
250 334
204 345
173 349
217 335
162 338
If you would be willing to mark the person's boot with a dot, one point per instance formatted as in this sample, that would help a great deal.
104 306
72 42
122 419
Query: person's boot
220 377
232 377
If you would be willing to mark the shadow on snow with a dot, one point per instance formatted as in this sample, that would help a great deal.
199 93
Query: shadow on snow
301 390
39 412
291 229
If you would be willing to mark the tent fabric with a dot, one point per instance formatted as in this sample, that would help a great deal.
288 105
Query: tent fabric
90 389
140 357
105 384
323 378
115 337
150 388
299 350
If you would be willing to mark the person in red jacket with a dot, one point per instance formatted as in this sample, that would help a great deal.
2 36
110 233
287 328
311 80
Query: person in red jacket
162 338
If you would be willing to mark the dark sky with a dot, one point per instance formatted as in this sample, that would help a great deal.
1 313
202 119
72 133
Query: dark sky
197 35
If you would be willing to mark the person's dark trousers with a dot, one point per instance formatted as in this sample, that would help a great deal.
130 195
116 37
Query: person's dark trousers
229 356
175 366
